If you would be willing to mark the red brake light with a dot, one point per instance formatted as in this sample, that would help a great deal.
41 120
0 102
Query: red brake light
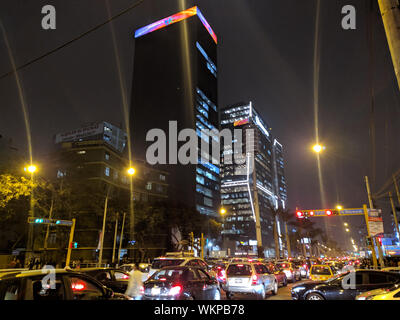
125 276
78 286
175 290
163 279
254 279
240 265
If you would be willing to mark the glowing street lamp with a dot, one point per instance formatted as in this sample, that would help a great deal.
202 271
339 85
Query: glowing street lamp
131 171
347 230
318 148
346 224
31 169
339 207
222 211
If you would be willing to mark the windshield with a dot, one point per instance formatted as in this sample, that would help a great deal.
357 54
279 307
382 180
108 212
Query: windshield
395 287
239 270
161 263
168 275
325 271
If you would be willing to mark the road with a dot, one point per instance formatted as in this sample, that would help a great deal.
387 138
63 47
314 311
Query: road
283 294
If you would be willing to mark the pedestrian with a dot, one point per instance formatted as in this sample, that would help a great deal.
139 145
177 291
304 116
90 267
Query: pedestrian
135 283
31 263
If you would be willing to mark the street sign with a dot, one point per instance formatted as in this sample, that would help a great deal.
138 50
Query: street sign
53 222
352 211
375 222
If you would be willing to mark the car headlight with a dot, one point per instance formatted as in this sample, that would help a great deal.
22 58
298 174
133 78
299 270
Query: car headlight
361 298
298 288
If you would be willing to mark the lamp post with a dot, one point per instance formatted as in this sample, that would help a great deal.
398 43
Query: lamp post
31 169
131 172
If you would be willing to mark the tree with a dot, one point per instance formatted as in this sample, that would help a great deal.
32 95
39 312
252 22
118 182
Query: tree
14 188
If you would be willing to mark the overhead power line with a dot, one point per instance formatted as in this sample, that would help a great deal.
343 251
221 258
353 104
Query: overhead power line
73 40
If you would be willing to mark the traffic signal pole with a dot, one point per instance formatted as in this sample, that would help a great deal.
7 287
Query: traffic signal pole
375 262
371 206
394 215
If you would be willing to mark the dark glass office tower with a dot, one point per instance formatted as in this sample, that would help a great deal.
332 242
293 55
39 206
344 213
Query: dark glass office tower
175 79
238 184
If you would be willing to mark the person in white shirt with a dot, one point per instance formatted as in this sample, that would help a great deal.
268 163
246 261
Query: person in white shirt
135 283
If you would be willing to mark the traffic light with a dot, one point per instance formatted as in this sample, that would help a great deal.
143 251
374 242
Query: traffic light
73 245
332 212
38 220
311 213
328 212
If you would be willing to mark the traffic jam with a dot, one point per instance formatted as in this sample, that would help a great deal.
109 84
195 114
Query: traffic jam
182 276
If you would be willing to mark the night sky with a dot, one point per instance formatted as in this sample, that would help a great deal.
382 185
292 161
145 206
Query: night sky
265 54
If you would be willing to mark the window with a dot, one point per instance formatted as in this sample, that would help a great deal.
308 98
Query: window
162 177
107 155
168 274
12 290
239 270
47 291
375 278
148 186
81 152
102 276
107 171
203 275
208 202
84 289
260 269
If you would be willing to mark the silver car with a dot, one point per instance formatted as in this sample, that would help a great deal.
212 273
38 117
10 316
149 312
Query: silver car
249 278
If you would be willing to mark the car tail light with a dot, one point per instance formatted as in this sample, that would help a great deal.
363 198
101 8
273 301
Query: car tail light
175 290
78 286
141 290
223 276
254 279
163 279
125 276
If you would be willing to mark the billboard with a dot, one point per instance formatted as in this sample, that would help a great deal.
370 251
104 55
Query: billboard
375 223
75 135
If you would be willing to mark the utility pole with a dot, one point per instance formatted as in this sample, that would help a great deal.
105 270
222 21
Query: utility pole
121 236
397 189
394 215
104 227
390 12
202 245
71 239
288 241
371 206
48 226
115 238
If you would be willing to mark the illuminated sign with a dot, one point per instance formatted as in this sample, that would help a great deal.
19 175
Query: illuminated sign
174 19
241 122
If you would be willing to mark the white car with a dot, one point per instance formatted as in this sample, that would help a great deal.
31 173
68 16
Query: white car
249 278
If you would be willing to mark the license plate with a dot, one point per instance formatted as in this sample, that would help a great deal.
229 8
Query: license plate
155 291
238 280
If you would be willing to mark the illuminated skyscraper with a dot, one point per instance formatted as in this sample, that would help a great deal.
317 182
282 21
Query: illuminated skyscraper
238 183
175 79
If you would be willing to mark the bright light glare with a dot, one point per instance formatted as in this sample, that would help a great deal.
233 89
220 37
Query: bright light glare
131 171
318 148
222 211
32 168
339 207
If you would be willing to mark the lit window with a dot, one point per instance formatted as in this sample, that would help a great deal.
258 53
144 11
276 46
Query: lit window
162 177
81 152
107 156
148 186
107 171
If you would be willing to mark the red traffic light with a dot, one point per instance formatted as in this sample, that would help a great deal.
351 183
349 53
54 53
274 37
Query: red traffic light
328 212
300 214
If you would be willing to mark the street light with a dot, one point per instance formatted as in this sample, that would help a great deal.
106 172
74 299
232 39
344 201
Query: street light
131 171
339 207
347 230
346 224
318 148
222 211
31 169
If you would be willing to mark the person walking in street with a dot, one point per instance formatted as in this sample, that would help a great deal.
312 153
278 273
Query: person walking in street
135 283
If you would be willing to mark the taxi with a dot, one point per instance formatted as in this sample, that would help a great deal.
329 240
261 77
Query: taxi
392 293
320 272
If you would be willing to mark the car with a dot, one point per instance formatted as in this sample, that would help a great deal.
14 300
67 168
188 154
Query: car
392 293
249 278
66 285
181 283
280 276
302 266
341 287
291 270
319 272
115 279
178 259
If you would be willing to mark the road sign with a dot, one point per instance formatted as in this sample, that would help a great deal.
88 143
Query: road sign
375 222
53 222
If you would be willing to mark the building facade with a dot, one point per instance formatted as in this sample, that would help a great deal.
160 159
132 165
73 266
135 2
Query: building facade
245 180
175 88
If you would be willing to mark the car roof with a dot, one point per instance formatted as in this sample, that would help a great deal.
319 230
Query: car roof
97 269
32 273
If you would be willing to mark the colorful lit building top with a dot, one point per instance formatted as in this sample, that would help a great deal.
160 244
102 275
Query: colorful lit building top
174 19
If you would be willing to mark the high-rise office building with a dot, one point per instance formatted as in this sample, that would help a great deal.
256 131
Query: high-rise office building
175 82
240 180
